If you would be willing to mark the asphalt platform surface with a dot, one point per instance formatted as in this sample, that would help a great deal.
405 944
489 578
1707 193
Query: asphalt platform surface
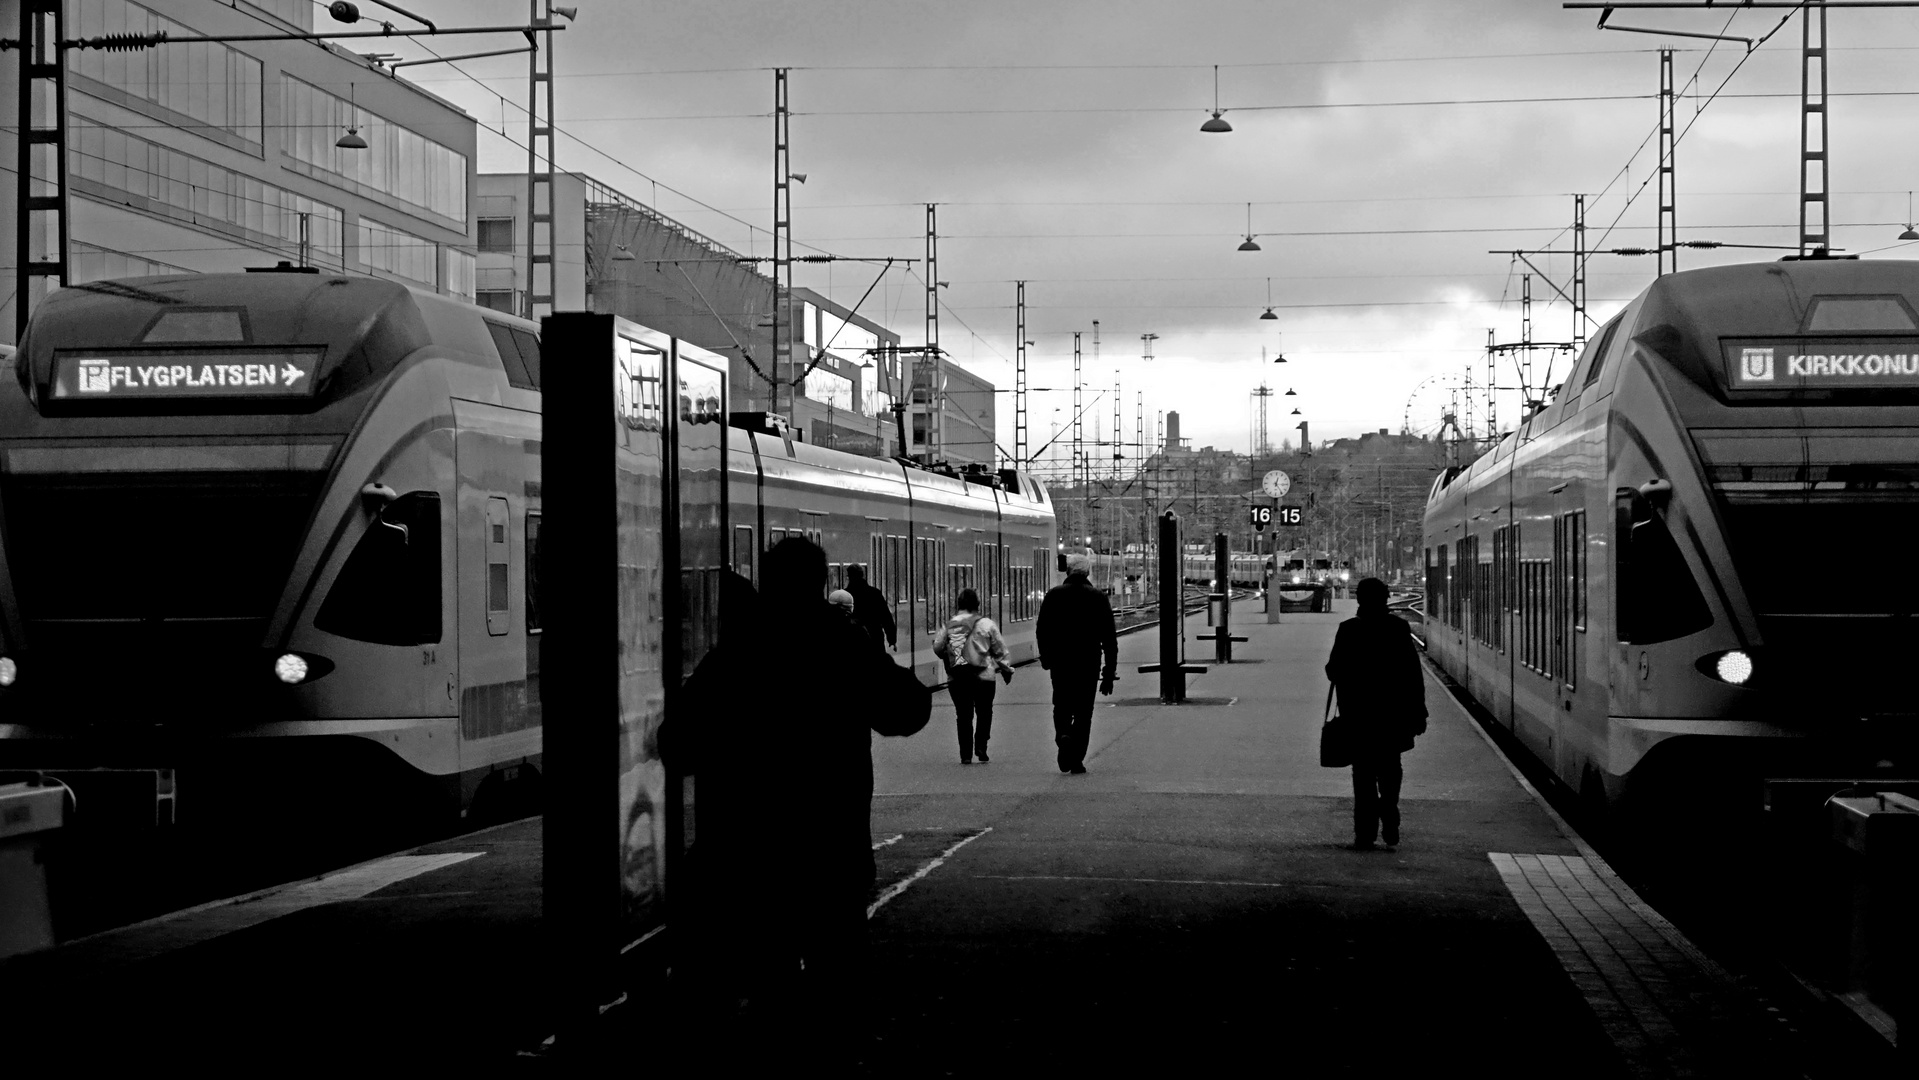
1186 907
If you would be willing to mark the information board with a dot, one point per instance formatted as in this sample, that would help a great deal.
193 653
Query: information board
186 374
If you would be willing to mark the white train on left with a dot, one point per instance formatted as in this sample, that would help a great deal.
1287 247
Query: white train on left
279 533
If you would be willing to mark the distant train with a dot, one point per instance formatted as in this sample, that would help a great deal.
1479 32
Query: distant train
1121 573
1617 580
279 533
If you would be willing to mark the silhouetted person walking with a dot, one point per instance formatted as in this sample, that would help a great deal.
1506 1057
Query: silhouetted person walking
870 609
974 653
766 749
1075 630
1375 670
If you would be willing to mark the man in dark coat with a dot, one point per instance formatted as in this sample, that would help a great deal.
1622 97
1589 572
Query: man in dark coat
1075 630
871 612
782 727
1375 669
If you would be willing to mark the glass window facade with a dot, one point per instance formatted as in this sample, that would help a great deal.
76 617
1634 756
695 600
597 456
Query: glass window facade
196 83
496 234
127 169
398 163
91 263
297 12
418 260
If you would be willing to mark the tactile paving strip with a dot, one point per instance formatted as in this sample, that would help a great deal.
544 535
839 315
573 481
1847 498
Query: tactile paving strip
1668 1009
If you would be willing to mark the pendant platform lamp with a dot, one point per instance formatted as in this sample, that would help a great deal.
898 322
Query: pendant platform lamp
1269 301
1296 412
1290 392
1279 354
1910 233
622 253
1249 245
1216 125
351 140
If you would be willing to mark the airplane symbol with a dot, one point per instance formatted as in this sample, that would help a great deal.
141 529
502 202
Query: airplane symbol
290 373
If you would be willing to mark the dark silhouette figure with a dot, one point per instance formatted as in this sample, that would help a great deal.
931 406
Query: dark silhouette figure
870 610
1075 631
975 654
1375 669
783 802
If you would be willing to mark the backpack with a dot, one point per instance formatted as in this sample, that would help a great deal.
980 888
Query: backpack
961 650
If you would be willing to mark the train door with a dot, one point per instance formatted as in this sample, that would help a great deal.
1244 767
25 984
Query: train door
1568 630
491 682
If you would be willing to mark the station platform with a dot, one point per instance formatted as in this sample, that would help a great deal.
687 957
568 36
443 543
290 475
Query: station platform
1186 904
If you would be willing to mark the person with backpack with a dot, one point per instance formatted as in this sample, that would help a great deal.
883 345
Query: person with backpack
974 653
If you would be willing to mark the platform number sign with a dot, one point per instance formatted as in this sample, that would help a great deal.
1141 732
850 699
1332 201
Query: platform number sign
1262 516
1291 515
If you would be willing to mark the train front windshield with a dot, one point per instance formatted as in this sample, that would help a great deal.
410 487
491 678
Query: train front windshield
1817 523
1811 517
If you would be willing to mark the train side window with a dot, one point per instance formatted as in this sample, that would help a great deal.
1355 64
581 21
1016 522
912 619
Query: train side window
389 591
743 551
1579 569
1599 354
1655 596
498 558
529 354
773 538
533 573
509 348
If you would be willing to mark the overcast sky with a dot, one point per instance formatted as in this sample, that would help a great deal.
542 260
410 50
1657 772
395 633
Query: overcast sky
1376 140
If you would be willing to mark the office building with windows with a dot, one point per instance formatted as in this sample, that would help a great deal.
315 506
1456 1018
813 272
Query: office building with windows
203 157
613 254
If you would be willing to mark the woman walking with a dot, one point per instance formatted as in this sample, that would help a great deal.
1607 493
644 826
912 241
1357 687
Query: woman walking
1382 693
974 653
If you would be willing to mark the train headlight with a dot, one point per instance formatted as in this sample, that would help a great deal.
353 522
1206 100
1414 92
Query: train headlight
9 671
1734 667
290 668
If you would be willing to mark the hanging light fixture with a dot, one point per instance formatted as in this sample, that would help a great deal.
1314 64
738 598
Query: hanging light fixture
1290 392
1295 412
622 253
1216 125
1249 245
1910 233
1280 353
351 140
1269 301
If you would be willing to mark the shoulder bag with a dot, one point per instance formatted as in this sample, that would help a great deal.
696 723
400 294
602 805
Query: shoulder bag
1335 737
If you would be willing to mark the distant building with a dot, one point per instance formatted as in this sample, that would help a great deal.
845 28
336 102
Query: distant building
968 436
210 157
614 254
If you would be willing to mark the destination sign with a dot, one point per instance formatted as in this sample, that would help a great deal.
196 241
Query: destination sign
202 373
1823 364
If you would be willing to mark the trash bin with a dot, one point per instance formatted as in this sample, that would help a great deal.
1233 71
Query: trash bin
1215 608
28 815
1878 832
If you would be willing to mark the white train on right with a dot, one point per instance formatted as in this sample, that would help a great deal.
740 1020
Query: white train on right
1693 566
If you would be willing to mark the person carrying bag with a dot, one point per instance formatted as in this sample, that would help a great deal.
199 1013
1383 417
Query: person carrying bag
1375 707
974 653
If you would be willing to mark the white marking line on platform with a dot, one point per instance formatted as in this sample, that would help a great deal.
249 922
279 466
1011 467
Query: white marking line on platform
1133 880
928 867
154 937
889 841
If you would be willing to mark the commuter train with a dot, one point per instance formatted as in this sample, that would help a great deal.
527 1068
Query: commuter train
1121 573
1636 582
279 534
